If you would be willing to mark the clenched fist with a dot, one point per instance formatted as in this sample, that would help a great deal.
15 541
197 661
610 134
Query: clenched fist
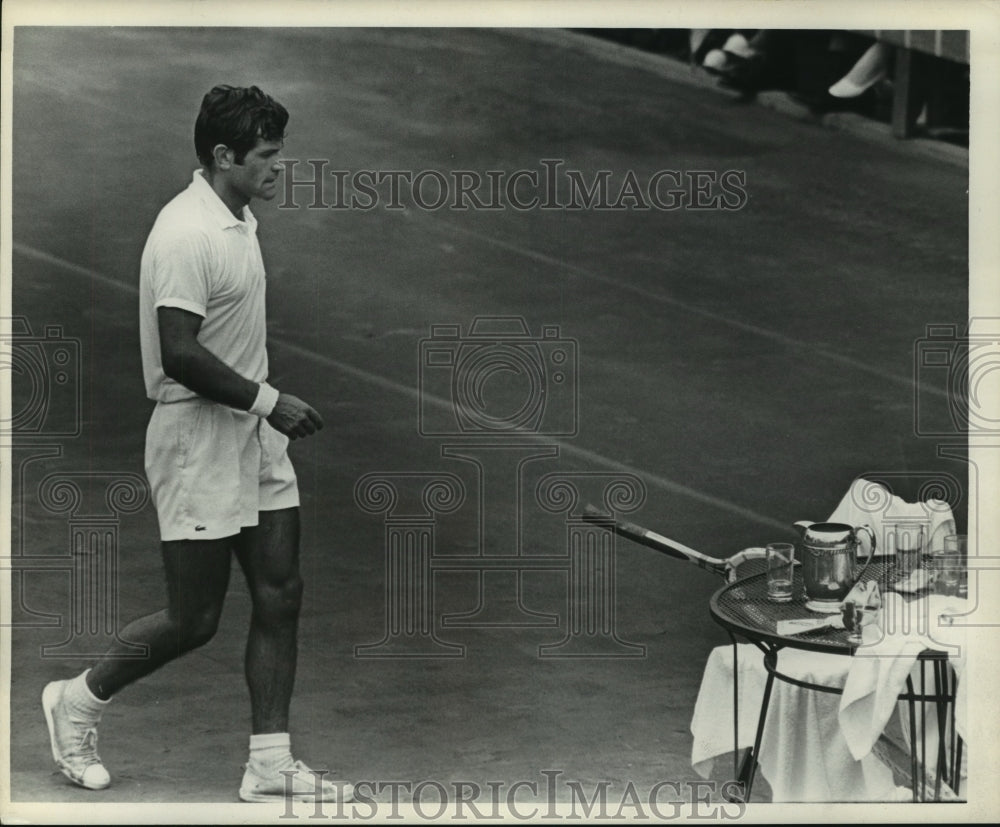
294 418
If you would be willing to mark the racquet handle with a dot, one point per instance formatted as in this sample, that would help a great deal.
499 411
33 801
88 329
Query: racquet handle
657 542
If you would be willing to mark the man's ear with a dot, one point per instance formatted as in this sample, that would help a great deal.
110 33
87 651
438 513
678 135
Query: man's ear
224 156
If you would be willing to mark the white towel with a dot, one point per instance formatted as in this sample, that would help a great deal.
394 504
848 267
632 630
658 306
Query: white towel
870 503
888 655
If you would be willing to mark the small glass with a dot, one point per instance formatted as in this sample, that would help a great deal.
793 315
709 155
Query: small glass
780 564
949 564
908 544
856 616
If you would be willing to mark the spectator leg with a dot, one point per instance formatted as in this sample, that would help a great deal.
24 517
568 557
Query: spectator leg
907 98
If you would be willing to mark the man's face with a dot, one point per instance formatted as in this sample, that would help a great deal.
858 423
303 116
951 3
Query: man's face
257 176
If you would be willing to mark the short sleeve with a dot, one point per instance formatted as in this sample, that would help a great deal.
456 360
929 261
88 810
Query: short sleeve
180 274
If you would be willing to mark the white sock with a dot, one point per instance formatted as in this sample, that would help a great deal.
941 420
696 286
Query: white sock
82 705
271 752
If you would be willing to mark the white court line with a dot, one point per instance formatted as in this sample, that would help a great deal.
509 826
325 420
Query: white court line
564 447
55 261
664 298
390 385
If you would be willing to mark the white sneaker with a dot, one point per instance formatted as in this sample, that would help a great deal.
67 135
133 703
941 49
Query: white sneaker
74 743
299 783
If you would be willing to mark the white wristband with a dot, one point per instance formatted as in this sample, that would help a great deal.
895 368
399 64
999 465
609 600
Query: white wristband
267 398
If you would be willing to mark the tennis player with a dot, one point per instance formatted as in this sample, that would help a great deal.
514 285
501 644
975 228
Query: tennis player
216 454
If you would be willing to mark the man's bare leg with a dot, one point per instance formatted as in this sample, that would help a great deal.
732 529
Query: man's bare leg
269 557
197 575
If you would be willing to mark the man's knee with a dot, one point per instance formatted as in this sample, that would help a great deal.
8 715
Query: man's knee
279 599
196 629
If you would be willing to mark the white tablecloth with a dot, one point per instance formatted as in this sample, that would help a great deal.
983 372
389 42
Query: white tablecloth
804 755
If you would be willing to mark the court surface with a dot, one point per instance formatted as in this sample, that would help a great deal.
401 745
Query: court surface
745 364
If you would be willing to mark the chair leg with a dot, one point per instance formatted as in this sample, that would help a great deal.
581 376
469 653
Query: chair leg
939 780
911 708
923 731
941 692
958 767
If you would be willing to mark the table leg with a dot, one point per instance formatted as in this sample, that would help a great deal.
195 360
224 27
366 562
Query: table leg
740 768
942 691
911 708
753 759
736 708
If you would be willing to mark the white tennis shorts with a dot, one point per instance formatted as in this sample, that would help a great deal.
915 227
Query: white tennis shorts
212 468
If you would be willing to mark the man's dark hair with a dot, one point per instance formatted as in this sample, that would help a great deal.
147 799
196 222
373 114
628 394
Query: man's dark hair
236 117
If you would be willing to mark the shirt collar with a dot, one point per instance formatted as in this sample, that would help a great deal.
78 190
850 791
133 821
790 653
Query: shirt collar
216 205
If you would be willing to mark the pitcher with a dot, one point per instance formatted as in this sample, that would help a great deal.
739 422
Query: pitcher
829 561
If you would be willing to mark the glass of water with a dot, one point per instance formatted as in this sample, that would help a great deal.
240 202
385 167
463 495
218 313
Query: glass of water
780 563
856 617
909 548
949 564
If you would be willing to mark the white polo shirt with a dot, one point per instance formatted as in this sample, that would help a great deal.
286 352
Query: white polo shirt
201 258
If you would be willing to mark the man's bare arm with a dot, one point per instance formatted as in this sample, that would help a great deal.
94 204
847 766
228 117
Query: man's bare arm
185 360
